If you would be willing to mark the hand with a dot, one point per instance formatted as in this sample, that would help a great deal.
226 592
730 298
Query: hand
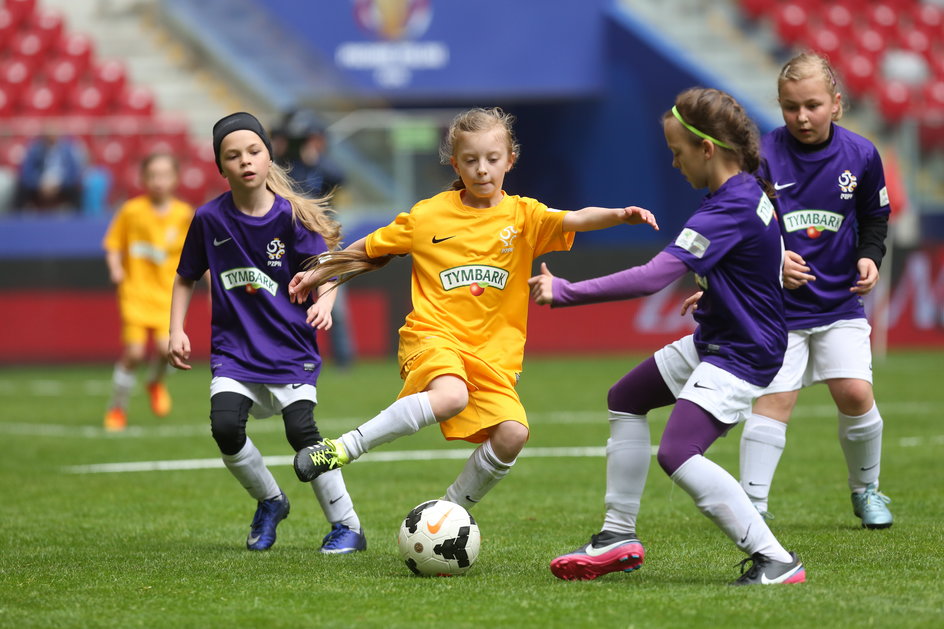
542 291
298 289
795 271
319 315
691 302
868 277
178 350
633 215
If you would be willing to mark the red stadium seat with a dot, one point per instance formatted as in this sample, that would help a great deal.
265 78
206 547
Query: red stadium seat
13 150
915 41
883 19
21 10
933 96
30 48
136 101
111 77
894 101
840 19
9 105
858 70
928 18
791 23
870 42
87 100
113 151
48 25
194 184
77 47
826 42
7 28
42 100
63 75
16 74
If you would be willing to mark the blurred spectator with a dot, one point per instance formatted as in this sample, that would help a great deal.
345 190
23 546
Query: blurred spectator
300 144
51 173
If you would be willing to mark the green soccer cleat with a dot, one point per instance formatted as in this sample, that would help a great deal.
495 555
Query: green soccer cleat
870 506
313 461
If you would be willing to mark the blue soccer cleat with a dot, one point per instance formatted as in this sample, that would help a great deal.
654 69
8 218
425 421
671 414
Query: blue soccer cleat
870 505
342 541
268 515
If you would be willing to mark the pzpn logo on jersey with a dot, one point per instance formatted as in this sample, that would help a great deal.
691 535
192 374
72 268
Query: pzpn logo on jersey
847 184
507 236
275 250
477 277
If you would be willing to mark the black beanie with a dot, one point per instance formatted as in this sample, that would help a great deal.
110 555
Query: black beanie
237 122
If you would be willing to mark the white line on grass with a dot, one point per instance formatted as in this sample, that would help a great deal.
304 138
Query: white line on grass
372 457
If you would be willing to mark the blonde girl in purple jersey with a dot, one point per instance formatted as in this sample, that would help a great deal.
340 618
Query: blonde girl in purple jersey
833 206
264 356
733 246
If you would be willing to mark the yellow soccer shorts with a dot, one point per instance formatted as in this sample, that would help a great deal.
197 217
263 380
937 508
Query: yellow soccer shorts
492 396
137 321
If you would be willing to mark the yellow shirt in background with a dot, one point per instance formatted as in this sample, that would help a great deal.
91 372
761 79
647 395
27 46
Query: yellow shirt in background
470 273
150 245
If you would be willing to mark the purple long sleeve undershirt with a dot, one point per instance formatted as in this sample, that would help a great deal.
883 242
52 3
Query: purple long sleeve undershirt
638 281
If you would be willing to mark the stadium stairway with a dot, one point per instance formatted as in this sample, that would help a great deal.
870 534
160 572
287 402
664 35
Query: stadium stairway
127 30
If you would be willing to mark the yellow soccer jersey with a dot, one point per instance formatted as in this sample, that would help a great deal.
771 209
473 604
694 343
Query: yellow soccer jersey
150 245
470 272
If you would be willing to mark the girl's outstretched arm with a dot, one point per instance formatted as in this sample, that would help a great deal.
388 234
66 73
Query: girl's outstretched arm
593 218
350 262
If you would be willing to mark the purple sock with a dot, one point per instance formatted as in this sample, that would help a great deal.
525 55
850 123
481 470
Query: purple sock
690 430
640 391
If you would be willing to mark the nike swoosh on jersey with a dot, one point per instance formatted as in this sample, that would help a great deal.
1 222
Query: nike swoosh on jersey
781 186
596 552
436 241
217 243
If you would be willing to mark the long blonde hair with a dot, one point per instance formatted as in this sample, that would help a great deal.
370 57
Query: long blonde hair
315 214
346 265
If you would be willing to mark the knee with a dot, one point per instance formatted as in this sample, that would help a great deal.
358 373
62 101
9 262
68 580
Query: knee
300 428
670 458
133 356
508 439
853 397
228 415
449 401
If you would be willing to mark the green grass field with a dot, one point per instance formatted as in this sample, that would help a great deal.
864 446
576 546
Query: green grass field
166 548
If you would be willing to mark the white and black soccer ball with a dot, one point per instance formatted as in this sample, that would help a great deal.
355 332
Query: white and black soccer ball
439 538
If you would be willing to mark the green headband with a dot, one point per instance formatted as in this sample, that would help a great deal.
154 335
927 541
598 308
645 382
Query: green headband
701 134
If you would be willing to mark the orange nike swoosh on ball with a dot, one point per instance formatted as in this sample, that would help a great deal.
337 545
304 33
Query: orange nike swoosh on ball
434 528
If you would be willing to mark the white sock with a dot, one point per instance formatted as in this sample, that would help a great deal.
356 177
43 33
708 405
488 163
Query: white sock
249 469
720 497
861 441
404 417
482 471
123 382
762 443
628 453
335 501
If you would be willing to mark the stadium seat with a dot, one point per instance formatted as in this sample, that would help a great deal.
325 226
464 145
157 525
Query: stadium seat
29 48
87 100
77 47
858 71
16 74
113 151
41 100
21 10
7 28
928 18
8 102
791 23
915 40
63 76
194 183
13 150
933 96
894 101
883 19
825 41
136 101
870 42
48 25
111 77
839 18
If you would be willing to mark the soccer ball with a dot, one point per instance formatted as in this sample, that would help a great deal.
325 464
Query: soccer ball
439 538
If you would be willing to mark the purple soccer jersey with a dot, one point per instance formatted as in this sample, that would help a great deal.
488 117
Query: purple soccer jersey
821 196
258 335
732 243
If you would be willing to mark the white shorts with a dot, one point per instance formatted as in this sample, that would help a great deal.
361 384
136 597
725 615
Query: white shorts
721 393
267 399
838 350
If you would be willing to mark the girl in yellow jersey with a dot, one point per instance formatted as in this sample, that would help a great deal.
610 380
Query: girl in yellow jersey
461 347
142 248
